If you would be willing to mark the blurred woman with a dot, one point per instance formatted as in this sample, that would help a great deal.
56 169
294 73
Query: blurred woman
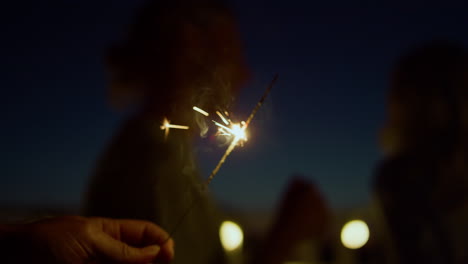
423 181
177 54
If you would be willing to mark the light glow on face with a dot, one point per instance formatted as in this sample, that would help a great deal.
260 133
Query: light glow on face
225 121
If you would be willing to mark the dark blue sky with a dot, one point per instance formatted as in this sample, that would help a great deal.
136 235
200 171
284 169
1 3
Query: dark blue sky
321 120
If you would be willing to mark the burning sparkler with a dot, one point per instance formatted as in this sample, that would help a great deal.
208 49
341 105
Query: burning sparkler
225 121
238 132
235 130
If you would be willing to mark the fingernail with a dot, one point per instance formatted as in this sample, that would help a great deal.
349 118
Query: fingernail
152 250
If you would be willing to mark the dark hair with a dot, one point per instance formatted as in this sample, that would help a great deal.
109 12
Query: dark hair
428 97
141 63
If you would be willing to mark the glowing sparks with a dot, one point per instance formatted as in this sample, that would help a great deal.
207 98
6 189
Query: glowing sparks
223 132
201 111
237 131
166 126
225 121
222 127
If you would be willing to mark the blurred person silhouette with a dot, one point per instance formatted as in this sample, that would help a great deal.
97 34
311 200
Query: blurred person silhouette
422 183
303 216
176 55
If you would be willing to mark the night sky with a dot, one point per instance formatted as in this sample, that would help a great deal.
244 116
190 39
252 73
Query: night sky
321 120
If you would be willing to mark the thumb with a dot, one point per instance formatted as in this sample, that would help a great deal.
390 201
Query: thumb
121 252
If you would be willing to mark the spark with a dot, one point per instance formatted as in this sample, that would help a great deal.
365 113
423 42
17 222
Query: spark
239 131
201 111
176 126
222 117
166 126
222 126
236 130
223 132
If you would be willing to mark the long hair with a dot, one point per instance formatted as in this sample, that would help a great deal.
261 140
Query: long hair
423 180
154 57
428 111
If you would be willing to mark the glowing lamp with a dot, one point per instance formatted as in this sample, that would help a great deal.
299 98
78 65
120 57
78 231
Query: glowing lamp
231 235
354 234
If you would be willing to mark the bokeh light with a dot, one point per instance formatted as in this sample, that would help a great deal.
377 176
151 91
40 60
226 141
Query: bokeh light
354 234
231 235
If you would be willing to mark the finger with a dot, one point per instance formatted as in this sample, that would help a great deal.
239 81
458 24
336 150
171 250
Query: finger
145 233
121 252
167 251
139 231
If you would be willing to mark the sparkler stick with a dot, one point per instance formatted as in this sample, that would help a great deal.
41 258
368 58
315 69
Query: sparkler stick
223 132
236 139
265 94
232 146
221 161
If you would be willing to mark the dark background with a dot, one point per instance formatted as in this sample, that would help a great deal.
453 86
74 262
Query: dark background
322 119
